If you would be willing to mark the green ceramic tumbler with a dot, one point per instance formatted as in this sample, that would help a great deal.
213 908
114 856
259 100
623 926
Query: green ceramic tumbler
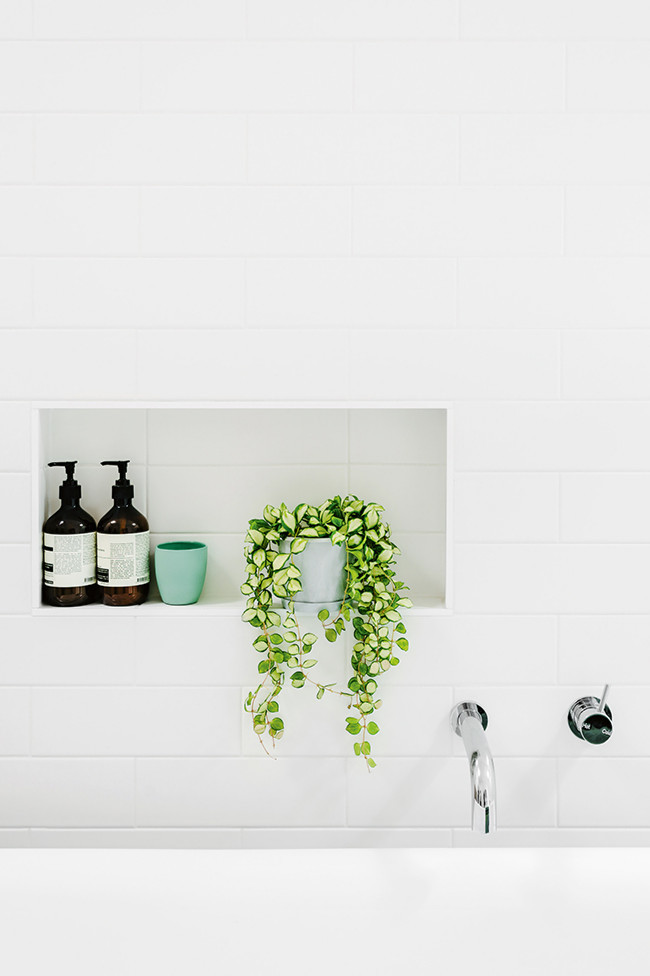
180 571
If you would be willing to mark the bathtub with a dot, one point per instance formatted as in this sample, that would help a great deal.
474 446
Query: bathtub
348 912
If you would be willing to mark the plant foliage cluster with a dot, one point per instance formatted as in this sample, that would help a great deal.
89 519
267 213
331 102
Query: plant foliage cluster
372 605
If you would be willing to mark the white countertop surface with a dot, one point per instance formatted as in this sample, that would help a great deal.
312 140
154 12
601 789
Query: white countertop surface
284 913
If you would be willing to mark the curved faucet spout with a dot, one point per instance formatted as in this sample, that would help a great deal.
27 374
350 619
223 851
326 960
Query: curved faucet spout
469 721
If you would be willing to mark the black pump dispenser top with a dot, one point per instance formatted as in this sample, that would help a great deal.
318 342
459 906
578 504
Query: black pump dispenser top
122 489
70 490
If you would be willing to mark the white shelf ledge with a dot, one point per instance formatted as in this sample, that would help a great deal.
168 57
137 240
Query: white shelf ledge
224 608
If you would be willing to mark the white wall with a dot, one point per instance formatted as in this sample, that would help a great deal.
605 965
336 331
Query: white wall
287 199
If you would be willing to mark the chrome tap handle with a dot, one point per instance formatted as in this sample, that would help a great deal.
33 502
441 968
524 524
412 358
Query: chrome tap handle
603 698
590 718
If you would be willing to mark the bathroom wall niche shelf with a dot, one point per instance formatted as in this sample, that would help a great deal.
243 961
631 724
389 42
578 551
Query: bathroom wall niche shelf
202 469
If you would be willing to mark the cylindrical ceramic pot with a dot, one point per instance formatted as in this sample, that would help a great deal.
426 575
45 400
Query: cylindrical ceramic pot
323 575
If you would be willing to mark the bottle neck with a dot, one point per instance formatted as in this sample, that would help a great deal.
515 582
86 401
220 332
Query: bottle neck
70 503
121 503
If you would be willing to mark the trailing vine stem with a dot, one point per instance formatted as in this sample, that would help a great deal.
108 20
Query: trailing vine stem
372 603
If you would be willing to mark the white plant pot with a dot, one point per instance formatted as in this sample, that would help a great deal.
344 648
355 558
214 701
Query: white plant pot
323 575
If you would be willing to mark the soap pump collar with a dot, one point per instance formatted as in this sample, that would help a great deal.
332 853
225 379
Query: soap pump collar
122 489
69 490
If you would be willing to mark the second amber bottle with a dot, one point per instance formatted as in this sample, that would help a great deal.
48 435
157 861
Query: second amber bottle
122 548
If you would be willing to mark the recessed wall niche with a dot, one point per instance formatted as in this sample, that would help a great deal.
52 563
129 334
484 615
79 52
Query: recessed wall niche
200 471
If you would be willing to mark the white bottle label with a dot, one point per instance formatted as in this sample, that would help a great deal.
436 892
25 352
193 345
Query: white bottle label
69 560
122 560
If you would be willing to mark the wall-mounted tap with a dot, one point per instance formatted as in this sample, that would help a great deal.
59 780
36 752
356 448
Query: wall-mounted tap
469 720
590 718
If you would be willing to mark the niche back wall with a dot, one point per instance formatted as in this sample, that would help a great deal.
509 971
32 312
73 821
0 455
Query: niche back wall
289 200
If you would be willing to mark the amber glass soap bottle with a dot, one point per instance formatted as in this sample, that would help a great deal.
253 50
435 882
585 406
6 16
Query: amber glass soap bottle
122 548
69 548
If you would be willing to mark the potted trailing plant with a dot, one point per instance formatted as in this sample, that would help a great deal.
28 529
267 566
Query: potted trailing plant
371 601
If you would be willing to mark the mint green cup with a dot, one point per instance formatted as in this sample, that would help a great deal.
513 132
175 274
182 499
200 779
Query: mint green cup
180 571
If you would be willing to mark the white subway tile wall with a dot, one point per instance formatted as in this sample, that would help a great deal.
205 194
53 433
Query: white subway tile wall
354 200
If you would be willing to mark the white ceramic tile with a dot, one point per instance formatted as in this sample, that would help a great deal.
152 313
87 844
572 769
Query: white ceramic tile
14 721
256 76
554 19
187 721
570 148
82 722
508 507
460 77
552 437
404 436
146 721
16 18
455 649
28 365
15 292
526 793
46 76
597 649
15 652
130 838
256 362
605 365
15 838
408 792
604 793
139 19
609 76
240 437
605 507
413 721
458 364
94 435
353 18
555 837
15 507
607 220
357 292
373 148
346 837
550 579
553 292
15 570
68 220
413 496
462 220
66 792
76 651
226 792
422 563
139 149
246 220
16 148
218 499
142 292
189 651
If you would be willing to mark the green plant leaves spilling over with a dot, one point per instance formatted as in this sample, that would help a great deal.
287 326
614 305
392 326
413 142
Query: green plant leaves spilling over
372 604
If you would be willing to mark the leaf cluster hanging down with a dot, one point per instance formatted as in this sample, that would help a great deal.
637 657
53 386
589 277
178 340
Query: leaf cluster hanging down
372 604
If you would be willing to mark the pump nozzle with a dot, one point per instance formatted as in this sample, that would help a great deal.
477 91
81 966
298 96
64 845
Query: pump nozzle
122 488
69 489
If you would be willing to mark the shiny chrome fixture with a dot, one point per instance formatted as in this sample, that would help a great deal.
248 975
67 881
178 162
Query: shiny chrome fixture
469 720
590 718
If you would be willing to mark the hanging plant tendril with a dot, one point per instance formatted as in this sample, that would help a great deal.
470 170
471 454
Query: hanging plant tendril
372 604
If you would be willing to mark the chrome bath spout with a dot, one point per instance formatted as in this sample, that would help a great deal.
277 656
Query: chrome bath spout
469 720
